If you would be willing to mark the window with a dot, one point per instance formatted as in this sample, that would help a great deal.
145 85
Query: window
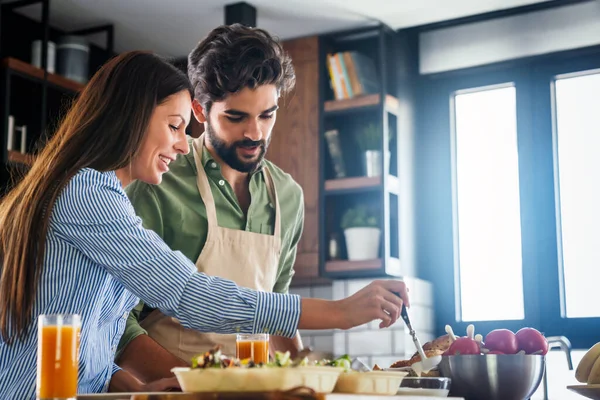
508 195
487 205
577 133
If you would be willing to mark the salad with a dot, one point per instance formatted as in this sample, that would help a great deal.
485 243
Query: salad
215 359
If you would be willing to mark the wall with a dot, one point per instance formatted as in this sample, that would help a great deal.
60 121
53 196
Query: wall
373 345
486 42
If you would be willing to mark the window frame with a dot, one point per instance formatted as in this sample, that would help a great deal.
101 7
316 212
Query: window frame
436 245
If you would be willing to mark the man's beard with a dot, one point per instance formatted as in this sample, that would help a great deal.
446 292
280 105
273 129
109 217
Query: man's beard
229 155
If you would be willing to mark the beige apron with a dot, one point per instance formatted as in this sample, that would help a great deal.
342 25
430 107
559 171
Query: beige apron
247 258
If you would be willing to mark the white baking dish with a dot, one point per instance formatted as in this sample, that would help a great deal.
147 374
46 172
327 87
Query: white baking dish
320 379
373 382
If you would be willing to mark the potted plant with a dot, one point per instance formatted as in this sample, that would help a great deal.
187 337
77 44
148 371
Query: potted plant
362 233
369 142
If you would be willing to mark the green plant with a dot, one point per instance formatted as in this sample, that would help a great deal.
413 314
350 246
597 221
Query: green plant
359 217
369 138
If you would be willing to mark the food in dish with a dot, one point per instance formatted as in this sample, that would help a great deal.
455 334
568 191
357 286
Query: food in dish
499 341
215 359
588 370
214 372
416 358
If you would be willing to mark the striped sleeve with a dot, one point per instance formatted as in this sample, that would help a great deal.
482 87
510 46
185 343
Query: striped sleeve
94 214
115 369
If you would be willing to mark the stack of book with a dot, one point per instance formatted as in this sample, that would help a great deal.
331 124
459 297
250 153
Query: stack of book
352 74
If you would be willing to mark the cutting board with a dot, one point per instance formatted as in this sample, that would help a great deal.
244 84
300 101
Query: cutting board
250 396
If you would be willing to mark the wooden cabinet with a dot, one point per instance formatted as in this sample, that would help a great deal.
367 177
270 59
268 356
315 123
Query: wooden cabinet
295 147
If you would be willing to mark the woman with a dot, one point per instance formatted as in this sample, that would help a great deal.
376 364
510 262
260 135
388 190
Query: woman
70 241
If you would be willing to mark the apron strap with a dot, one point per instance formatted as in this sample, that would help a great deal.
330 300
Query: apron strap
203 185
274 198
207 196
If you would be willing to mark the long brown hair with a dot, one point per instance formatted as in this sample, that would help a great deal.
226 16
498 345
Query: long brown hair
103 130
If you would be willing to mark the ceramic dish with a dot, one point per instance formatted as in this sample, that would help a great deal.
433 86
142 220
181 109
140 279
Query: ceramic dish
319 379
425 386
373 382
589 391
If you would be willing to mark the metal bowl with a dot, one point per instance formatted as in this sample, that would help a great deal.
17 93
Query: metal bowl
493 377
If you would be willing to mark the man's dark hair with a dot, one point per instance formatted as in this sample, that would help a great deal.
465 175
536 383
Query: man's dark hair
233 57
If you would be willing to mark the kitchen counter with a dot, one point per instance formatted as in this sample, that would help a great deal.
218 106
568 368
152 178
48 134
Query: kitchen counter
256 396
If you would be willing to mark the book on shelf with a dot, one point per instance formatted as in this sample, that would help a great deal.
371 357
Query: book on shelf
335 151
352 74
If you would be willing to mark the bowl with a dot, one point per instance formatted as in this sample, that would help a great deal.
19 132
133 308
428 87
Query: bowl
372 382
493 377
425 386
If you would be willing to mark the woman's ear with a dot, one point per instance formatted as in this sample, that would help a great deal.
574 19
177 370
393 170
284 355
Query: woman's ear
198 111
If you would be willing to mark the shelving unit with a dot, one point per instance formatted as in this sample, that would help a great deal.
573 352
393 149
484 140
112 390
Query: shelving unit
350 118
361 184
35 97
366 267
369 100
21 67
20 158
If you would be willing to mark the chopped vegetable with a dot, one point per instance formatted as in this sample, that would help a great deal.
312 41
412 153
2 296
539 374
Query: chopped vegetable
215 359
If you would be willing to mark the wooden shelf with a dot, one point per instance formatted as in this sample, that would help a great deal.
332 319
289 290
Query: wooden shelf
20 158
309 281
369 100
366 265
361 183
38 73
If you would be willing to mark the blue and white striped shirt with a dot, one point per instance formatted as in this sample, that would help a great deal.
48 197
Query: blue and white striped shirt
96 250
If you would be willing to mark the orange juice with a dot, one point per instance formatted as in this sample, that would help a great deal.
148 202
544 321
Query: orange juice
255 347
58 357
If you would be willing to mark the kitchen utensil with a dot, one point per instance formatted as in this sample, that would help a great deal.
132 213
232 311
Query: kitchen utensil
426 364
72 53
358 365
493 377
302 354
36 55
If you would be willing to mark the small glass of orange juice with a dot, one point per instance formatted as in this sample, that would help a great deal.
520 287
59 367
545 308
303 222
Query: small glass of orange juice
58 356
255 347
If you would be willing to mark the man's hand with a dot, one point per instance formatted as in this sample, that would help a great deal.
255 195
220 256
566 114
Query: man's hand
283 344
123 381
147 360
162 385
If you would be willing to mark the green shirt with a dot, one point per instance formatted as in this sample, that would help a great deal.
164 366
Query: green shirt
176 212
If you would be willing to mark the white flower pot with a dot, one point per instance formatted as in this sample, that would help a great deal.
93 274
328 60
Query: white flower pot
362 243
372 162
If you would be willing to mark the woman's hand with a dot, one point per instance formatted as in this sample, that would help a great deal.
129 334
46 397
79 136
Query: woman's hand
381 299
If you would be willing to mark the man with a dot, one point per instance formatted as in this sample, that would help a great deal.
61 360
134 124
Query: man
222 205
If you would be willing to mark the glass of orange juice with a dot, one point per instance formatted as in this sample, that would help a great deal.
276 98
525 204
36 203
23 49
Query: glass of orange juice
58 356
255 347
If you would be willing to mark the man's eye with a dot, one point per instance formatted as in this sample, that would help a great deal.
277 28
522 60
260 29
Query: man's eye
235 119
